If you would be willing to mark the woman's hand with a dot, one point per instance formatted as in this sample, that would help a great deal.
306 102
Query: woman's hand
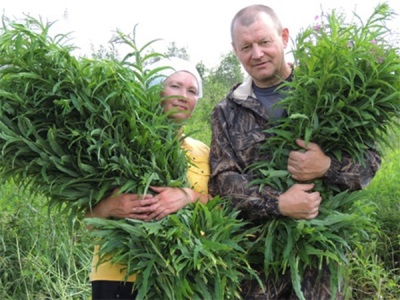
146 207
172 199
124 205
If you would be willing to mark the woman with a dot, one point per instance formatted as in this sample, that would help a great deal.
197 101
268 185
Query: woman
183 81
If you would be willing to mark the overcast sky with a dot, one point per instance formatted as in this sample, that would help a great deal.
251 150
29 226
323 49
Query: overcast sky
202 26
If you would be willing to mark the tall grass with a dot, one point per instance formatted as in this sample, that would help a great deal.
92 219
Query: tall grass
42 255
374 268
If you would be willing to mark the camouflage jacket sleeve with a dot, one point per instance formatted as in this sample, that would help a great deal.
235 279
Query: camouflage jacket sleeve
349 175
229 177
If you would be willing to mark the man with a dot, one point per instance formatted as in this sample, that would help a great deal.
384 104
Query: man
238 124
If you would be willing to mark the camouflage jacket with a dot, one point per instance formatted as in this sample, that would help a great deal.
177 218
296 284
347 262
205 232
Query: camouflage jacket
238 123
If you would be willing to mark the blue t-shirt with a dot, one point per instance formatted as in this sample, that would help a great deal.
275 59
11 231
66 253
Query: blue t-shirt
270 97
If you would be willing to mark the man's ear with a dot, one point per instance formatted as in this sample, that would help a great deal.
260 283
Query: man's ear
285 36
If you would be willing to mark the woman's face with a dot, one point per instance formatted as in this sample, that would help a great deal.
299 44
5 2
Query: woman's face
182 91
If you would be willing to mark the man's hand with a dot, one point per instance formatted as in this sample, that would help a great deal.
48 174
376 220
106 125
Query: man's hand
298 203
310 164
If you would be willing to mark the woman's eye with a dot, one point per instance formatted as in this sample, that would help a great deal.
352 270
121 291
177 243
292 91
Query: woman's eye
174 86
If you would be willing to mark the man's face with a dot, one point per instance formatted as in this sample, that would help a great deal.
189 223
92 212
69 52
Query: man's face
260 49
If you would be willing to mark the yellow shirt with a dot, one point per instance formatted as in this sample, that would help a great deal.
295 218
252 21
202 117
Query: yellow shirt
198 174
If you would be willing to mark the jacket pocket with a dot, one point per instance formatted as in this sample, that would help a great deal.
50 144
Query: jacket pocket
247 144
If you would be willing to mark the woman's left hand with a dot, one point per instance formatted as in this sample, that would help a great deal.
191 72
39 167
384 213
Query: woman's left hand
170 200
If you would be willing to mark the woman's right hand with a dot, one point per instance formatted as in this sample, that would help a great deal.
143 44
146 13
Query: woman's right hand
124 206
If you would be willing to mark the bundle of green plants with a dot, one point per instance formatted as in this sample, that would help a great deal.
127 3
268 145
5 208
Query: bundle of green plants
74 129
345 97
197 253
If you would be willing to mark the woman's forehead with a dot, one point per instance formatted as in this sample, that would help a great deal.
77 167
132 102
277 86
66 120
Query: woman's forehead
183 76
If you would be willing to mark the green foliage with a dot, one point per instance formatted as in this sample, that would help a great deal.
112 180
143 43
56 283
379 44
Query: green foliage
174 51
41 255
374 270
197 253
110 53
62 272
346 92
369 278
74 130
345 96
385 192
228 72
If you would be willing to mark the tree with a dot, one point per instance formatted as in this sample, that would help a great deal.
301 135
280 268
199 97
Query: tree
105 53
229 71
174 51
201 68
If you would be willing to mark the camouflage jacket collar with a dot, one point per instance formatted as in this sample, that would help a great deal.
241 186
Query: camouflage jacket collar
243 95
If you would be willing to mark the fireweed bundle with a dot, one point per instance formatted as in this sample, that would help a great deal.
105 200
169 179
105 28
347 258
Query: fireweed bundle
345 96
197 253
73 129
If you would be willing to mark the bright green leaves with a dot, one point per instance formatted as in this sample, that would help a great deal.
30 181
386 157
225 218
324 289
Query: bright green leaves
197 253
78 128
346 80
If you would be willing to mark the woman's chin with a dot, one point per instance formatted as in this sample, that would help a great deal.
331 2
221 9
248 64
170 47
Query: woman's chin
180 117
